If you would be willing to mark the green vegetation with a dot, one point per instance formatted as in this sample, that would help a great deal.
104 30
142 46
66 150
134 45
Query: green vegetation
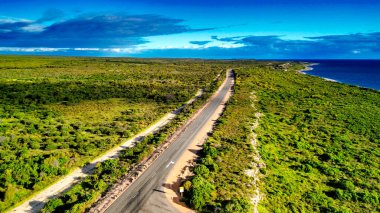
58 113
84 194
318 139
220 181
320 142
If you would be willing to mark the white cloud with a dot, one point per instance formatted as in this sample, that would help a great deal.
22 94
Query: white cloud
86 49
34 28
121 50
31 49
225 45
7 20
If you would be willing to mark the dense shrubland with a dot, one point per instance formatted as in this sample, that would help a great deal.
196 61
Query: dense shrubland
320 142
318 139
59 113
220 182
82 195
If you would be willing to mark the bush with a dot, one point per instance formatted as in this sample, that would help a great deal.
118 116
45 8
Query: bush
52 205
238 206
202 170
202 193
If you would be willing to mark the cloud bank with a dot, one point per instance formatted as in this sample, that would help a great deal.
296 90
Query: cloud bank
123 35
331 46
199 42
359 45
90 31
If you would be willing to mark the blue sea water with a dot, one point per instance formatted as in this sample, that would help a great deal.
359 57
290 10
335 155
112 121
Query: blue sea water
363 73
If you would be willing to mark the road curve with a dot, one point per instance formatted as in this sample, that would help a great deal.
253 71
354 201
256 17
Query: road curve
151 180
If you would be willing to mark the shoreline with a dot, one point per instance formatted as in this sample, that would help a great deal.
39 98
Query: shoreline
309 67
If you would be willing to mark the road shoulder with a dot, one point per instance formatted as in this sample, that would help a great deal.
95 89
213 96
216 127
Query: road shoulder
181 170
36 202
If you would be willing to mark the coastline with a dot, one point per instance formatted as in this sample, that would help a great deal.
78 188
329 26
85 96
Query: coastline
360 73
309 67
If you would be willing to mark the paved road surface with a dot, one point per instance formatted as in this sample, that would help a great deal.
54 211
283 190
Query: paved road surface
37 202
151 180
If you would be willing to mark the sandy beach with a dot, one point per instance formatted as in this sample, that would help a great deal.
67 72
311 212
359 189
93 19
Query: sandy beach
308 67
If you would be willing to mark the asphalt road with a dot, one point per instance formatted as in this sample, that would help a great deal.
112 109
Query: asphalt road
151 180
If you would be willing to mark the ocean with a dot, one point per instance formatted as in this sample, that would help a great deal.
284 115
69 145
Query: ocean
363 73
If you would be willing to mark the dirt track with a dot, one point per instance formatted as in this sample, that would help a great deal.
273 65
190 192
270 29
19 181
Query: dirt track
36 203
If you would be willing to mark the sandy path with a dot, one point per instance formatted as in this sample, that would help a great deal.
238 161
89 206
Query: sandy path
36 202
181 169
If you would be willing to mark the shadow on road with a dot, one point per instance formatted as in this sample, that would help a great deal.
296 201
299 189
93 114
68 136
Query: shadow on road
195 151
157 190
36 206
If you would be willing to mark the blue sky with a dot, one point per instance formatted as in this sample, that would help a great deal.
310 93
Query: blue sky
257 29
